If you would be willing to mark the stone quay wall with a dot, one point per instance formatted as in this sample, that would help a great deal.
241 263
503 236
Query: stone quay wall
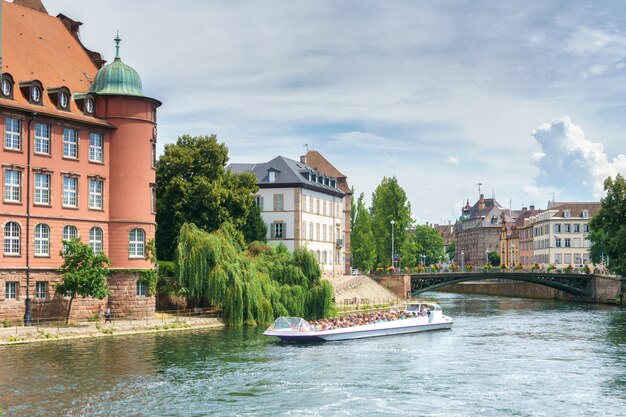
122 297
606 289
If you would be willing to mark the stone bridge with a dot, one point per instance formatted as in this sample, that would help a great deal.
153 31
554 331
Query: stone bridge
572 283
586 287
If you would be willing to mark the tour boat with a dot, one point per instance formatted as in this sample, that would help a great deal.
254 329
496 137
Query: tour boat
413 319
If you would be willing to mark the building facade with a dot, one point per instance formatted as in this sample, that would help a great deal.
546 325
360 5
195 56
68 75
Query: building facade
302 208
478 230
78 160
560 234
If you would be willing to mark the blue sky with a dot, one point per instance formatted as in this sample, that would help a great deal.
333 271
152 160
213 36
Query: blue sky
526 99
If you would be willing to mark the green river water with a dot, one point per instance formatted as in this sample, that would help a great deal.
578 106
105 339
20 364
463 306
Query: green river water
503 357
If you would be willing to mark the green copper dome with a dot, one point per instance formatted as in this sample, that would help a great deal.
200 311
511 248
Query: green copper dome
117 78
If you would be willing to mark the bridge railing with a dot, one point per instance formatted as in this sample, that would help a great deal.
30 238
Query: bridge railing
494 270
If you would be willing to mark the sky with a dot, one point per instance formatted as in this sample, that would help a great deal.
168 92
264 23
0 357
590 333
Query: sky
526 99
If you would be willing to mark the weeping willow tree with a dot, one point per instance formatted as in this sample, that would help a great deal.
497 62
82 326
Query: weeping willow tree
252 285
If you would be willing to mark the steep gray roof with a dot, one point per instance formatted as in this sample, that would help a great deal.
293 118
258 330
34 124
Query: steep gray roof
289 173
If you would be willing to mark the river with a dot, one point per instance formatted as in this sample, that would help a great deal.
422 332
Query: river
503 357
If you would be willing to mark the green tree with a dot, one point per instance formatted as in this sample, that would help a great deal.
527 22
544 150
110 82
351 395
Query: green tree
255 228
84 273
389 202
451 251
194 186
494 258
429 243
363 247
608 226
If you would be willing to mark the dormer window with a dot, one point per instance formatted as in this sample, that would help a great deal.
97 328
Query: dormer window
60 96
32 89
89 105
271 174
566 214
6 87
35 94
585 214
85 102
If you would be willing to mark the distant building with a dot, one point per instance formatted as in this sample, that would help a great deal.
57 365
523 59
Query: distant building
478 230
78 160
315 160
447 233
560 234
516 239
302 208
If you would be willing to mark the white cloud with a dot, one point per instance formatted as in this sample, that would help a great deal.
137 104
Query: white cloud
452 160
571 162
589 41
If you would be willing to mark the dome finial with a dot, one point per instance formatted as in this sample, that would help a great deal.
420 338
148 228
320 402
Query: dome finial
117 45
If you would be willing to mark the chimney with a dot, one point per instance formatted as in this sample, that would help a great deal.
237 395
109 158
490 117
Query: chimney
481 202
532 207
303 159
32 4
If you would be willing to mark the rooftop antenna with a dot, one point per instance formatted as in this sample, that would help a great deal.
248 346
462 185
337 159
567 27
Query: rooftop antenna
306 147
552 196
493 194
479 184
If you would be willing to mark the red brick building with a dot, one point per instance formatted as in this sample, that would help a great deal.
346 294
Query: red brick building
78 159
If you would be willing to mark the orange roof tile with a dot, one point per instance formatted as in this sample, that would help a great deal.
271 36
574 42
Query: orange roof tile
37 46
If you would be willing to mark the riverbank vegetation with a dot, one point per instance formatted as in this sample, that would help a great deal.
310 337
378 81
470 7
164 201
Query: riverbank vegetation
253 283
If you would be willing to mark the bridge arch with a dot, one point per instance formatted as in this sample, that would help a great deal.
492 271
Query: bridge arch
574 284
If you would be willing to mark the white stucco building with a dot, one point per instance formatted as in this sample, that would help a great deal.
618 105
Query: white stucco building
560 234
302 209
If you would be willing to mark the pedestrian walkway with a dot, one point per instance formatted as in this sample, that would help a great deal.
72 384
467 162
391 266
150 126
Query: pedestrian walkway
58 331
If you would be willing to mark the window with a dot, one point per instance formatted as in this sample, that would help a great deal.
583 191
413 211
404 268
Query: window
278 230
35 94
141 289
95 239
153 154
70 143
95 194
317 231
567 228
7 88
70 191
136 243
576 242
41 290
69 232
318 206
12 134
324 232
42 188
11 238
303 230
586 243
557 228
42 138
10 291
585 214
12 185
95 147
258 200
310 231
558 259
567 258
558 242
89 105
42 240
152 199
585 228
576 228
324 257
278 202
63 100
568 242
566 214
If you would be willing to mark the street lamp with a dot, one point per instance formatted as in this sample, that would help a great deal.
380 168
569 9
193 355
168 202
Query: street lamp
486 256
423 260
393 252
462 261
512 260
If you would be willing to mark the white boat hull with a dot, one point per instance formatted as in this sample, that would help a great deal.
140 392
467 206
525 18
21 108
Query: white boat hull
411 325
